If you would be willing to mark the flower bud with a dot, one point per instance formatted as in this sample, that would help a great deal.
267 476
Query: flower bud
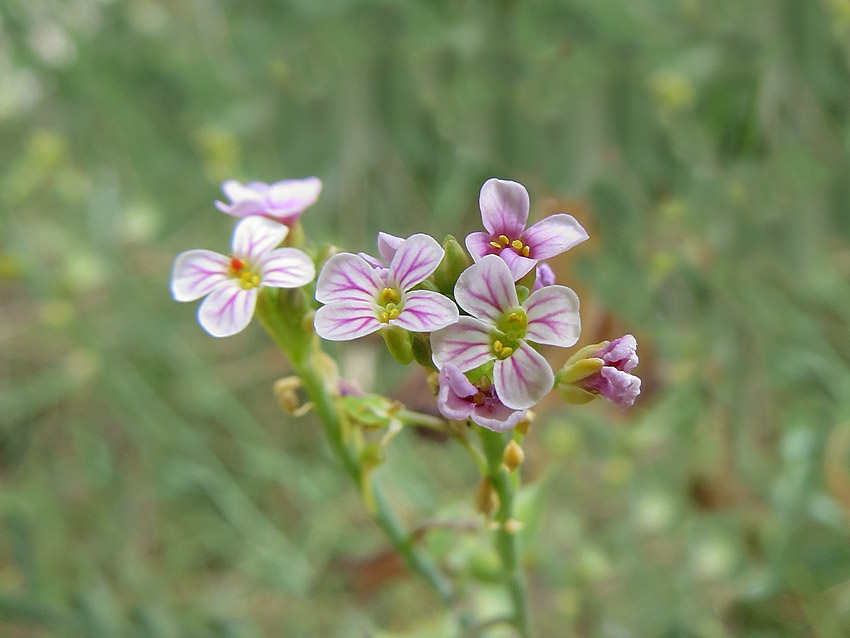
421 344
454 262
398 343
486 498
513 456
601 370
286 391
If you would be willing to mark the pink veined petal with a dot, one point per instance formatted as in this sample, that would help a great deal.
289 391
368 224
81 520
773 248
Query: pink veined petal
286 268
238 191
523 378
624 388
289 198
196 273
455 390
227 309
254 236
346 320
372 261
553 235
425 311
478 245
620 353
486 289
347 277
414 261
553 316
520 266
496 416
465 344
244 207
504 207
388 245
544 276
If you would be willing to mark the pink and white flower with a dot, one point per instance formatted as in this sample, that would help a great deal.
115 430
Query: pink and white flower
360 299
460 399
387 247
283 201
231 282
504 212
502 330
614 381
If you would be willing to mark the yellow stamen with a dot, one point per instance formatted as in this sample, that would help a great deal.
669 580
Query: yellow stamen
255 280
389 295
516 244
506 352
526 251
497 345
394 313
496 244
503 239
514 317
384 317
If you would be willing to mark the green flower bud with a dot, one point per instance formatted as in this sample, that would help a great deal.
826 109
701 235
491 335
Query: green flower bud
398 343
421 343
454 262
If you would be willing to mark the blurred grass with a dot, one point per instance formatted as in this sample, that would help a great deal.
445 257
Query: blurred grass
150 484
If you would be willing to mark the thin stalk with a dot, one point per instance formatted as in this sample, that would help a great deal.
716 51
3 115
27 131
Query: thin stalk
506 538
300 347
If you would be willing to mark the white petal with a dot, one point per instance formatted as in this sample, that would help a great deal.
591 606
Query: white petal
286 268
426 311
196 273
486 289
347 277
553 316
254 236
346 320
227 309
465 344
523 378
414 261
504 207
388 245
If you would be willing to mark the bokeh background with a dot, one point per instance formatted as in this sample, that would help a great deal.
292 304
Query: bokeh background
151 486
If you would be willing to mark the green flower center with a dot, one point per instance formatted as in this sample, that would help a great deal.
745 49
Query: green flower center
389 300
510 330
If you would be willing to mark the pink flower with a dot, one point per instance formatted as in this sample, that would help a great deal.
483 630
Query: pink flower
502 330
504 211
231 283
460 399
360 299
614 381
283 201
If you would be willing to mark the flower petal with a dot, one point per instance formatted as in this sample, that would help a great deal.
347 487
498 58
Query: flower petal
426 311
553 235
455 390
288 199
388 245
247 199
227 309
254 236
504 207
478 245
196 273
486 289
347 277
523 378
544 276
553 316
414 261
615 385
465 344
496 416
620 353
346 320
286 268
520 266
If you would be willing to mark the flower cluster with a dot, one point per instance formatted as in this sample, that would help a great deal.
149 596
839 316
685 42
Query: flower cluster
484 321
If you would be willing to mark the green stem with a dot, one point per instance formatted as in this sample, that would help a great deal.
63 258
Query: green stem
507 540
301 348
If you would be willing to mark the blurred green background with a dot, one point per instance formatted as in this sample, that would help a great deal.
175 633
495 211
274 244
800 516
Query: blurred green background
151 486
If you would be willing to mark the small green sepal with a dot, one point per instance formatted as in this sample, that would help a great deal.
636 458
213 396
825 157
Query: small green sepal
454 262
398 343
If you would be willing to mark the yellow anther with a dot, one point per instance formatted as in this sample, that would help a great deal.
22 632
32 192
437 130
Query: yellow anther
389 295
255 280
496 244
245 276
497 345
506 352
526 251
516 244
384 317
503 239
394 313
514 317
